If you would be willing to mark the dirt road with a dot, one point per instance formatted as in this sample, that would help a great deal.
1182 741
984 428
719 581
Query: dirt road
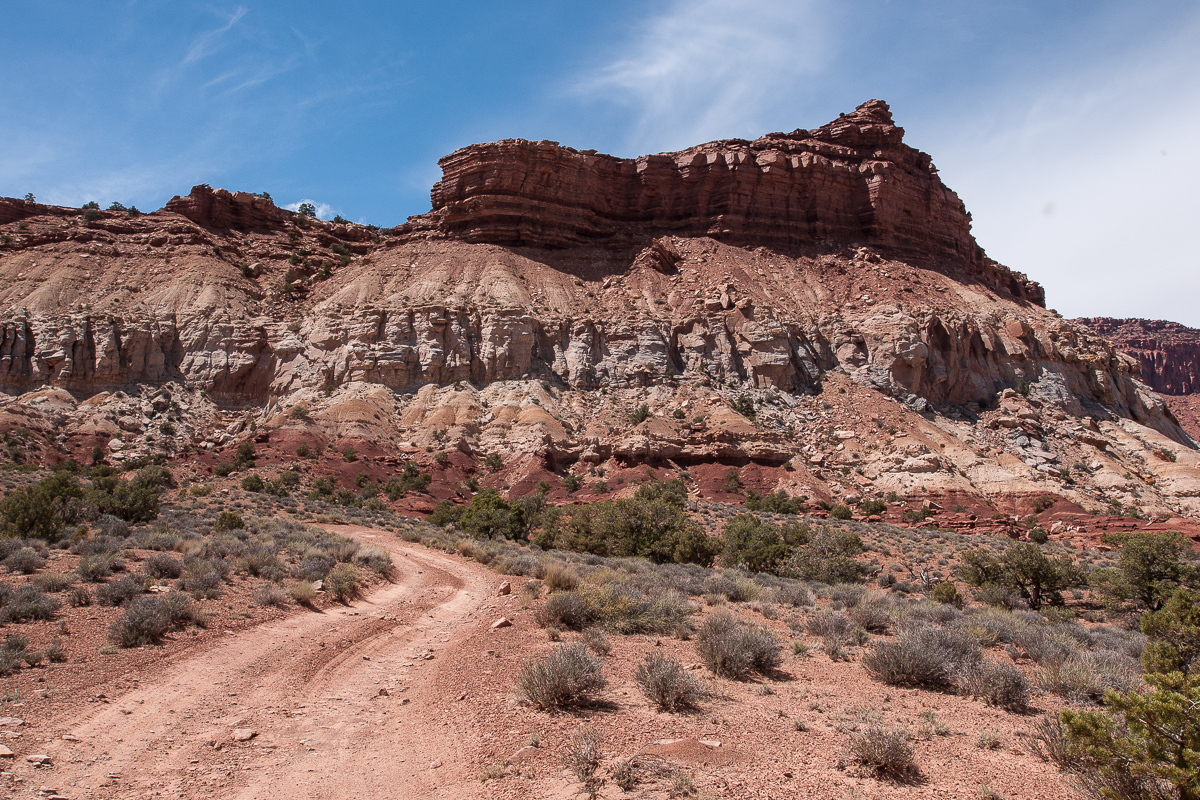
345 703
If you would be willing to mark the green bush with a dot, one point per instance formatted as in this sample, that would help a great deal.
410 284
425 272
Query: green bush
1151 566
744 406
946 592
828 558
1025 570
652 525
1174 635
43 510
756 545
640 414
733 483
870 507
776 503
489 516
253 483
223 469
228 521
840 511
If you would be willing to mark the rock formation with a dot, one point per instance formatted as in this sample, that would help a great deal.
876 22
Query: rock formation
1168 353
775 269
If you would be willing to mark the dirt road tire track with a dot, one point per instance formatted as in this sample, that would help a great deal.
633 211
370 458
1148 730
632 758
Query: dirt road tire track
310 687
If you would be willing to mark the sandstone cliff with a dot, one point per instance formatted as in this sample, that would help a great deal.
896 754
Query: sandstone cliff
775 268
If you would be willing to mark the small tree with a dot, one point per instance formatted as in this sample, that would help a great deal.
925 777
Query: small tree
1151 567
1023 569
1174 634
307 210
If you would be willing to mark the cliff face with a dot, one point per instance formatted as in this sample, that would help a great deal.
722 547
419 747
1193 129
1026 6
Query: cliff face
853 180
761 264
1167 353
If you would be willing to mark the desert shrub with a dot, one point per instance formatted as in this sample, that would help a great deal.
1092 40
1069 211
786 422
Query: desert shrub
873 614
736 586
582 756
94 568
870 507
10 662
343 582
132 501
754 544
998 683
840 511
26 561
653 525
375 559
253 483
596 641
55 652
925 657
181 611
796 595
1087 676
262 563
1174 633
565 678
666 683
43 510
162 565
120 591
303 592
559 576
145 622
946 592
203 577
314 567
775 503
886 751
79 596
828 558
744 406
53 582
25 603
223 469
733 649
846 595
270 594
565 609
1150 567
228 521
1025 570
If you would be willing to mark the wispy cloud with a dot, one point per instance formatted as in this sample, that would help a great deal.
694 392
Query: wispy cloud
206 43
709 69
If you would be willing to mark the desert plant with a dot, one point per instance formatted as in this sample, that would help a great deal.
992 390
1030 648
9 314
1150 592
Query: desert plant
840 511
559 576
26 561
375 559
582 756
343 582
302 592
733 649
162 565
886 751
120 591
228 521
666 683
79 596
998 683
53 582
55 652
145 622
567 677
597 641
926 657
270 594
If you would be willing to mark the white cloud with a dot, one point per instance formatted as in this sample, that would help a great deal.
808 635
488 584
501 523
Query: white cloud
707 70
1086 185
206 43
324 210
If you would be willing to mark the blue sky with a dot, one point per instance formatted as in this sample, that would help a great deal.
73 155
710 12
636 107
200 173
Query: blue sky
1069 128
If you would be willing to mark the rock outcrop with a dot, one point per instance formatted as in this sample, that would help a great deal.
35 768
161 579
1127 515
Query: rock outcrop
851 181
823 282
1168 353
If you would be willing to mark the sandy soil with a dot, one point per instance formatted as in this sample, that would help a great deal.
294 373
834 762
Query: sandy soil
408 693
